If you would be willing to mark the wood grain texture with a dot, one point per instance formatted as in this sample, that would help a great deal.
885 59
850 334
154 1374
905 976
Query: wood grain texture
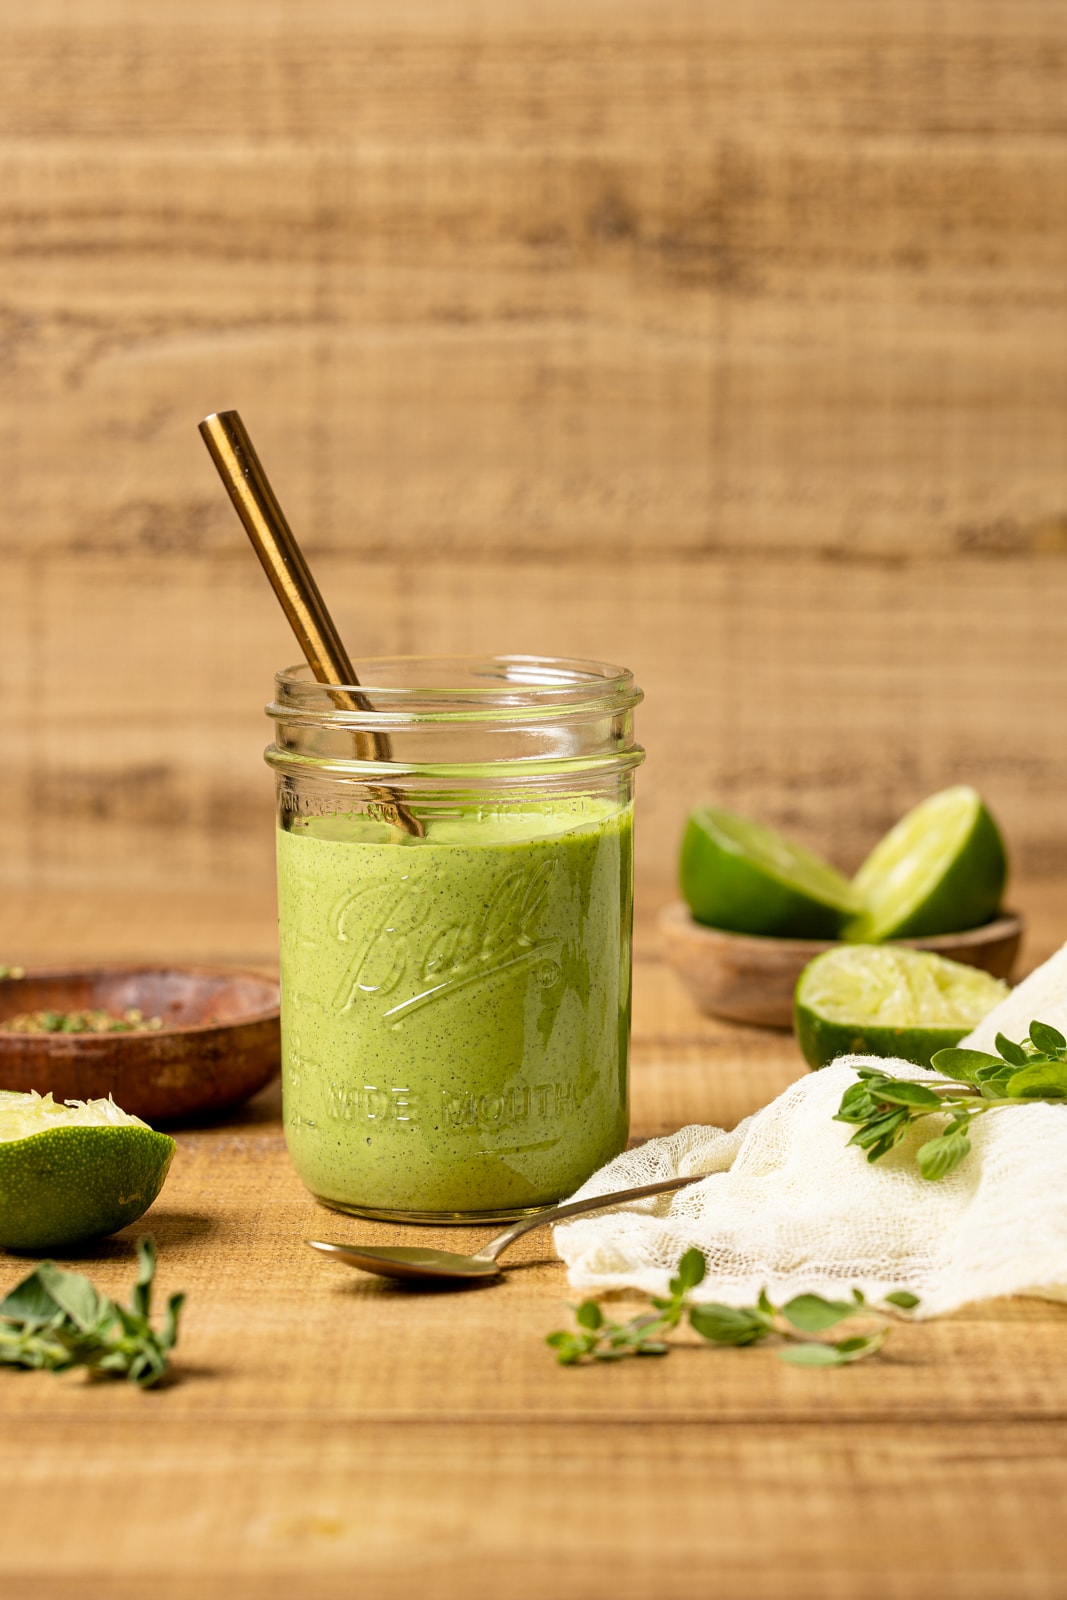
721 339
332 1434
758 693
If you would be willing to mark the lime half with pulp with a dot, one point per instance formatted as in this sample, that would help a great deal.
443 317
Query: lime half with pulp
877 1000
941 869
745 878
73 1172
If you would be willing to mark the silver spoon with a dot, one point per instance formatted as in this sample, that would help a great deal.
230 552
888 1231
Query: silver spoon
401 1261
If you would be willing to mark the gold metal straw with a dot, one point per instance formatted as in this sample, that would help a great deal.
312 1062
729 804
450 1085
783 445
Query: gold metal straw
290 576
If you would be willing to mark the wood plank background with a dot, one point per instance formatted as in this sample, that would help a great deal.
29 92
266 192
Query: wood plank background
723 339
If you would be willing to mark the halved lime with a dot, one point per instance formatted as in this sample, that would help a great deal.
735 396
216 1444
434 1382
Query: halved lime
941 869
878 1000
75 1171
739 875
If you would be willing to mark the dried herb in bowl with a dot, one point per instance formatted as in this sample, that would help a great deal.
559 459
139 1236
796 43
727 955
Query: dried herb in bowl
92 1021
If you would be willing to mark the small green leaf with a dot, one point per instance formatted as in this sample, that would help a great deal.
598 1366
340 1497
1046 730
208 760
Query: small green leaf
75 1295
146 1271
691 1269
857 1104
811 1355
568 1355
902 1298
938 1157
812 1314
906 1093
1047 1038
962 1064
558 1339
1041 1080
29 1301
882 1148
147 1367
652 1347
990 1078
1011 1052
589 1315
880 1128
727 1324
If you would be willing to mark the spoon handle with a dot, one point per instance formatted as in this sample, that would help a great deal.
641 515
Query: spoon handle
292 580
576 1208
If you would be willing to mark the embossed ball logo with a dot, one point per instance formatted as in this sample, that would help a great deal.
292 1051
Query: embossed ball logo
406 945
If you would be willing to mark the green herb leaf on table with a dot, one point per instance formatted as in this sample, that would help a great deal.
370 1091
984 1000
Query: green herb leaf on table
55 1320
691 1270
881 1109
812 1314
728 1324
795 1327
903 1299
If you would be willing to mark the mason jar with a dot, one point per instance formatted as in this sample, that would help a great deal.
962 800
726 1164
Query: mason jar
455 906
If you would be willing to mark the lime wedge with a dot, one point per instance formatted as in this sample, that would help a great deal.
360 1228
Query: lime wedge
74 1172
941 869
876 1000
746 878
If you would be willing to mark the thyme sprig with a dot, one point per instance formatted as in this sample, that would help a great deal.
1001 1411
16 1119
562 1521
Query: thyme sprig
801 1329
55 1320
882 1108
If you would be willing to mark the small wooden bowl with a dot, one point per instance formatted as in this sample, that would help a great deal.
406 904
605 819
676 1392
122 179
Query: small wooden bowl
220 1040
750 979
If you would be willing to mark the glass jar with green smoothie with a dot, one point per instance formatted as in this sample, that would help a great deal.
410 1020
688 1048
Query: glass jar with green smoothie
455 901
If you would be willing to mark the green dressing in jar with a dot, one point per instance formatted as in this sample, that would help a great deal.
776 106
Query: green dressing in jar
456 1005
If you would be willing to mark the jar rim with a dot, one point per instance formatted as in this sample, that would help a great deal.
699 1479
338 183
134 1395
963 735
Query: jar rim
535 676
466 686
427 721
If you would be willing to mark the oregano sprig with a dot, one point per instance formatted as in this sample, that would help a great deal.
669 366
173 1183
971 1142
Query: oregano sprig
55 1320
882 1108
799 1328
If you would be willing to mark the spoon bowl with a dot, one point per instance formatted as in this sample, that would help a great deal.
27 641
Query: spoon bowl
406 1261
400 1261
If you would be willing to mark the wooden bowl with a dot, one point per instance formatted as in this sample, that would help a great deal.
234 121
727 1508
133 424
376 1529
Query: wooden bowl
220 1040
750 979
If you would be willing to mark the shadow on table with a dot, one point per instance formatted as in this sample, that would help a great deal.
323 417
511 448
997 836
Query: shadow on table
167 1228
368 1284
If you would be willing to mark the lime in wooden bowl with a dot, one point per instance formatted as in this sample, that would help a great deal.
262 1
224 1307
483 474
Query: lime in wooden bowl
941 868
739 875
884 1000
751 979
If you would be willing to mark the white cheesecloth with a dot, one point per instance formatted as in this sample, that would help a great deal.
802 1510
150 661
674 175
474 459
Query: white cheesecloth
790 1207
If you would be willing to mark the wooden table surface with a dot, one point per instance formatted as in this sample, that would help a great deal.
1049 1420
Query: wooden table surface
332 1435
